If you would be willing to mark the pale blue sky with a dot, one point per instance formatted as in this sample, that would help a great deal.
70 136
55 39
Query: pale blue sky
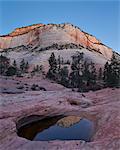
99 18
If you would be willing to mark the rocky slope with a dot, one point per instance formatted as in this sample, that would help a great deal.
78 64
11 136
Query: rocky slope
102 107
41 35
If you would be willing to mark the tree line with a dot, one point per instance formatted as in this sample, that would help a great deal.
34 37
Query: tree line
77 74
10 69
83 75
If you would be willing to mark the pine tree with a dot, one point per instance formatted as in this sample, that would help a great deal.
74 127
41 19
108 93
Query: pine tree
112 72
11 71
34 69
100 74
14 64
41 68
89 73
59 62
22 66
76 76
62 61
53 67
93 73
115 71
26 67
86 73
15 70
4 64
37 68
64 76
106 72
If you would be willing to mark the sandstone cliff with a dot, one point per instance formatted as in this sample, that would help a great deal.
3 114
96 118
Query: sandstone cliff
41 35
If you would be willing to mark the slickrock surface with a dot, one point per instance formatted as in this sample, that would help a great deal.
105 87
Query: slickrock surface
102 107
41 35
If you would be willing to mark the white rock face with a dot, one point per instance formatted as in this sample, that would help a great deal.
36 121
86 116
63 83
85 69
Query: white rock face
45 35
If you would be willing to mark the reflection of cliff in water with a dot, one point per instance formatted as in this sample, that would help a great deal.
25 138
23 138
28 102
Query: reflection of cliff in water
58 128
29 131
68 121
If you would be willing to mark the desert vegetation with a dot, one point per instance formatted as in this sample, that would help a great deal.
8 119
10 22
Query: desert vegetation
83 75
62 46
9 69
77 74
111 74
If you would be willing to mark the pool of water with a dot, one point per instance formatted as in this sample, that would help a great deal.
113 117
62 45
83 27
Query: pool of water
49 129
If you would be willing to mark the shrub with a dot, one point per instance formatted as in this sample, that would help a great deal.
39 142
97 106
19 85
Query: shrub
20 87
34 87
11 71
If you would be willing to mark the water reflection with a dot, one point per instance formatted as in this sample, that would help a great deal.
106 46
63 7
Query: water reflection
49 129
